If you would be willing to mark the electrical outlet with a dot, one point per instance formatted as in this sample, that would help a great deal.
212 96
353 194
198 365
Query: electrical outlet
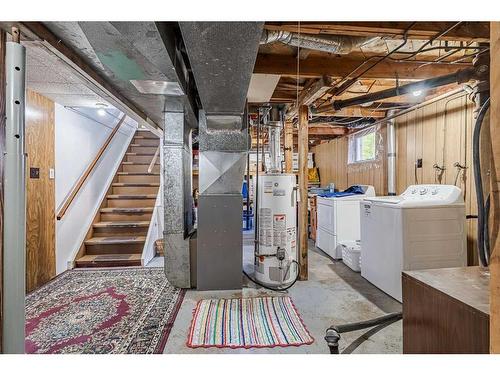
419 163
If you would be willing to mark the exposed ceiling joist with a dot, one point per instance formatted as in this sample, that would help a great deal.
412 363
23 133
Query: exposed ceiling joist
353 112
312 92
338 67
466 31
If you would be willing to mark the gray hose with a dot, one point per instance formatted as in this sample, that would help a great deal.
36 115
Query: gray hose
482 247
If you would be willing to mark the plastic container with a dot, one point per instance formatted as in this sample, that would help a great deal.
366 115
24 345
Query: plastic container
351 254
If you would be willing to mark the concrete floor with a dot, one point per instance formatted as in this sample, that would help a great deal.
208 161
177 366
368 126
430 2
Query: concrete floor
333 294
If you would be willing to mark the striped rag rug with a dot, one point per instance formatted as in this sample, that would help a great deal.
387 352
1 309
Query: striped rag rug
259 322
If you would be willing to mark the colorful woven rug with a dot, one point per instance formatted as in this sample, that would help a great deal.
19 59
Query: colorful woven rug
127 310
258 322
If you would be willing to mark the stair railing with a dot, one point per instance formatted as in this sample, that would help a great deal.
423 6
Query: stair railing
81 181
153 161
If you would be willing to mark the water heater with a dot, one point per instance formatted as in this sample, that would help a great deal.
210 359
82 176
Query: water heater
276 252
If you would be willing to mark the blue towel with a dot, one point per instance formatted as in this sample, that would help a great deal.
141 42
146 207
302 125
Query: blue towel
353 190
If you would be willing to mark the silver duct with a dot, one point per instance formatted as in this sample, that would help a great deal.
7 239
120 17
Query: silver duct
339 44
177 165
274 148
222 57
391 154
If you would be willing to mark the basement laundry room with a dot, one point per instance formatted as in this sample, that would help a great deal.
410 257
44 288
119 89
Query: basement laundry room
249 187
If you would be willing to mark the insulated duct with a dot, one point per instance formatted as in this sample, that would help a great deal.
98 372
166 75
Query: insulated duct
222 56
339 44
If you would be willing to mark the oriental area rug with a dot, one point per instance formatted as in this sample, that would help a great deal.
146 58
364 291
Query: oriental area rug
258 322
89 311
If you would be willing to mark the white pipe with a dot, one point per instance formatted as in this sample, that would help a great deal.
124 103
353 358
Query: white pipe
14 233
391 154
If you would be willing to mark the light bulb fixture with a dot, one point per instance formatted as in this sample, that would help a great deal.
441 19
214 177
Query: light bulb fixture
417 92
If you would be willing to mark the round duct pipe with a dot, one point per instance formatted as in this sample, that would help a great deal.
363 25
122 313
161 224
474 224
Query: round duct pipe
339 44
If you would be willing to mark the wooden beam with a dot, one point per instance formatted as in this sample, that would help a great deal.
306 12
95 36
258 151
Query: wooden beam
3 40
288 147
303 182
466 31
325 130
310 94
353 112
337 67
495 188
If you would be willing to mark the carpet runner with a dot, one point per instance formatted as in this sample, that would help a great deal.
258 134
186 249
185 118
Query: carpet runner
128 310
259 322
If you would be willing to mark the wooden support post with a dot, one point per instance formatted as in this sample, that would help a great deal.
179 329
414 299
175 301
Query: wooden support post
303 180
288 147
3 40
495 187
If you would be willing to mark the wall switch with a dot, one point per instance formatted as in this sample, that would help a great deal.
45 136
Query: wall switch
419 163
52 173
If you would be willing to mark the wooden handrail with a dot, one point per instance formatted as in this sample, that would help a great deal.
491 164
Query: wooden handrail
153 161
87 172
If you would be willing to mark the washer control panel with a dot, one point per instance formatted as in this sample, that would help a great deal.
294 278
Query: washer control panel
438 194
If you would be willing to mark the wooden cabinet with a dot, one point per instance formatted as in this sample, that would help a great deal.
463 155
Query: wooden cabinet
446 311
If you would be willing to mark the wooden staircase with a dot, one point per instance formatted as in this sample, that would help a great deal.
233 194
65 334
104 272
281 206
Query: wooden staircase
118 233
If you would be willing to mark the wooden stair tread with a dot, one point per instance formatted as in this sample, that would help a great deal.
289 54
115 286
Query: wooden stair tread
127 209
131 196
135 184
109 259
140 154
121 224
115 240
139 145
137 174
133 163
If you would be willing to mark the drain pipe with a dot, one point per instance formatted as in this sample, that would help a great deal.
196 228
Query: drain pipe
391 153
14 232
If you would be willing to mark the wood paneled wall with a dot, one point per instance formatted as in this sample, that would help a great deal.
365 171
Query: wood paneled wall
495 184
331 159
439 133
40 198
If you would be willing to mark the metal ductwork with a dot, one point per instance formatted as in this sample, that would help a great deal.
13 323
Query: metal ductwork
339 44
177 197
222 56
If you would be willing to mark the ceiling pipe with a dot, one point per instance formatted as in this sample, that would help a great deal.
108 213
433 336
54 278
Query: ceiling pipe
461 76
338 44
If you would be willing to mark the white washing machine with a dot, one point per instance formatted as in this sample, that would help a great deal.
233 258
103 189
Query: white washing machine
338 221
422 228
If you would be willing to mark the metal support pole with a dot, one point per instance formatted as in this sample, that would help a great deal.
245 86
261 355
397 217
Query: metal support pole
391 154
15 202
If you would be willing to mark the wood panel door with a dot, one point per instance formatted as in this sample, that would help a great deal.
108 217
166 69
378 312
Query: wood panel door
40 191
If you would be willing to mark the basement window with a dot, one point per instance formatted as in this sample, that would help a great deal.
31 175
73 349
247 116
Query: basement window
362 146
